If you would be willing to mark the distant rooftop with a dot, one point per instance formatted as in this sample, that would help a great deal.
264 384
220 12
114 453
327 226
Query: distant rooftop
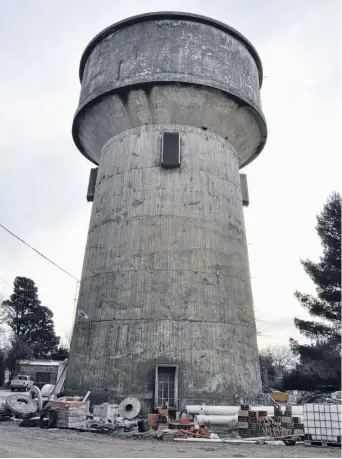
46 363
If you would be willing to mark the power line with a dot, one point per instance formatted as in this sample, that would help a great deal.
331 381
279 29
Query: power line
3 280
39 253
52 262
55 264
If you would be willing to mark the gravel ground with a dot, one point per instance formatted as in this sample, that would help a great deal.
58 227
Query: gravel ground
33 442
4 393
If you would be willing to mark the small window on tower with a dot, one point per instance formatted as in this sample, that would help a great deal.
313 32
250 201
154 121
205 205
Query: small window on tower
170 150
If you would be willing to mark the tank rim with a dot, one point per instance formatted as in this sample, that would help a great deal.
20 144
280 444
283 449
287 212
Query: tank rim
259 117
170 15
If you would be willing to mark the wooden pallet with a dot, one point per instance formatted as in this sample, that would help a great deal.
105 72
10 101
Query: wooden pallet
322 444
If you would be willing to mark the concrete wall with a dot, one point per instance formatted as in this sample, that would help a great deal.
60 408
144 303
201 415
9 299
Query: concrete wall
165 274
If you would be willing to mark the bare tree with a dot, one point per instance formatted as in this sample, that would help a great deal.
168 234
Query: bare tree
275 362
282 357
67 339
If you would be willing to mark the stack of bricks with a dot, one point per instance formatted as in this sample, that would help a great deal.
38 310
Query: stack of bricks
249 422
288 424
258 424
298 426
281 424
70 414
157 421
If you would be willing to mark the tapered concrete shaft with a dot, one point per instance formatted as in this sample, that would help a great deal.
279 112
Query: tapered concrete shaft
165 278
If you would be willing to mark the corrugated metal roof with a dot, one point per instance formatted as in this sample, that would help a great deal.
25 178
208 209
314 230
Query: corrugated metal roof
46 363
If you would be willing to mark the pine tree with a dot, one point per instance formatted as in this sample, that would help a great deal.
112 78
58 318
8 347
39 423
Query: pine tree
321 358
31 323
326 274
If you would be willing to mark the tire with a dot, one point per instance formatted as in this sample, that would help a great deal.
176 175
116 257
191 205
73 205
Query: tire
5 418
289 442
29 423
46 407
48 419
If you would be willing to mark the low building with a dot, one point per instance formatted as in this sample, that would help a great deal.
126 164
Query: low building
41 371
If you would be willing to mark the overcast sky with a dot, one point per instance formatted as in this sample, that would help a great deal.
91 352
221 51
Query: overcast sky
44 178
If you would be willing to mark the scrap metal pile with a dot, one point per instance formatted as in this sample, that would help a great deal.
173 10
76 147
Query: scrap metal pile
38 408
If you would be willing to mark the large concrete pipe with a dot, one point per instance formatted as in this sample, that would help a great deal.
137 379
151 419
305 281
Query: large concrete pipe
129 408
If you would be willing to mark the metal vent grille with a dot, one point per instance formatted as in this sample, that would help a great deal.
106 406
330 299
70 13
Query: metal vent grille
92 184
244 190
170 150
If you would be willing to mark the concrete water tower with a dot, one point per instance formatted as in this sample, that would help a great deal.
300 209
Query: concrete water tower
169 111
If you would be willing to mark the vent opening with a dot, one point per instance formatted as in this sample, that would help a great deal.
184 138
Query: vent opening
170 150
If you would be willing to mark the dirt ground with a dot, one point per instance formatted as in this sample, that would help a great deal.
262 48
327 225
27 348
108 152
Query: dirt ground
34 442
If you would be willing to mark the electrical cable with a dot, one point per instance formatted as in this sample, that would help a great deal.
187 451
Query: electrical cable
52 262
3 280
37 251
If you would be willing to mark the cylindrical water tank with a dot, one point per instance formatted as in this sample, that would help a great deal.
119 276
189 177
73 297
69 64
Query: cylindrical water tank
165 283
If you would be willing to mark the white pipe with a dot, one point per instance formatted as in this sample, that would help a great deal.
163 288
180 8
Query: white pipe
238 442
215 419
205 409
213 440
297 410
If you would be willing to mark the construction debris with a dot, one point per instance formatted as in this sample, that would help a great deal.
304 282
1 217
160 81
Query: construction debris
105 412
272 425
